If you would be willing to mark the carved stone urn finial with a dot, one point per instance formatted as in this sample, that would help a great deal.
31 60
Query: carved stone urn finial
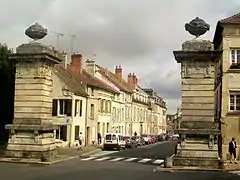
197 27
36 32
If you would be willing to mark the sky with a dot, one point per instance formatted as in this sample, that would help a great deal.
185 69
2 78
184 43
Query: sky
139 35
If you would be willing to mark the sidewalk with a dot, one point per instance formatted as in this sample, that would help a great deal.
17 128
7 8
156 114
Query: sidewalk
63 154
227 168
73 151
232 167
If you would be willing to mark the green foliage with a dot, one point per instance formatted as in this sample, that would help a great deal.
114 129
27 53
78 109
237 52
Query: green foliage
5 65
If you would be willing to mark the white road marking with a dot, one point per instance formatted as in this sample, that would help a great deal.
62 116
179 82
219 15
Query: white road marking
235 172
158 161
145 160
103 153
89 158
102 159
117 159
130 159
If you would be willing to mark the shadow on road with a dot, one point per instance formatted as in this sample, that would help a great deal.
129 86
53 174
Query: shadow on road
158 150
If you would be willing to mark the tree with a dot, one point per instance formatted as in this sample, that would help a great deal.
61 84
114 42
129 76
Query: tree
5 65
7 79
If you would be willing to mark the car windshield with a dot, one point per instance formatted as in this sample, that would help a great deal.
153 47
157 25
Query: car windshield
108 137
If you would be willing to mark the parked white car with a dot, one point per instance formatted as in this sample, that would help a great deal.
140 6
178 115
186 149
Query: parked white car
114 141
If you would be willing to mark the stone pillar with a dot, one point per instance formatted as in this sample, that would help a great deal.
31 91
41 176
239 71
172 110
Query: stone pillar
198 130
32 131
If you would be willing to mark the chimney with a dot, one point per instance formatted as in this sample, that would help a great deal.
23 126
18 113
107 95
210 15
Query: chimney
135 80
77 62
90 67
118 72
132 80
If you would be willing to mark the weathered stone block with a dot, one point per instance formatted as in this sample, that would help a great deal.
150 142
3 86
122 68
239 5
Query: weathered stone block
198 45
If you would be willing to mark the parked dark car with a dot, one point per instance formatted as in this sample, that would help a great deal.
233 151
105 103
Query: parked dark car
130 143
140 141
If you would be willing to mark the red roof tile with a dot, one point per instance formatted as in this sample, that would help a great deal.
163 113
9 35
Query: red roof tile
88 79
121 84
72 83
232 19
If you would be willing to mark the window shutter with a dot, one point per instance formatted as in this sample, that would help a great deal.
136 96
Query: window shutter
75 108
54 107
69 107
80 111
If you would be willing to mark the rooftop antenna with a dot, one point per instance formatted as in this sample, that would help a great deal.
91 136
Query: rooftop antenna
73 37
58 37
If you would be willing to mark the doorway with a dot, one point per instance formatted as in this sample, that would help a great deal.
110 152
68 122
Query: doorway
88 136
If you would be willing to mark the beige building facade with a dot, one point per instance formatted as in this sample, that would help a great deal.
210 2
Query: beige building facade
227 82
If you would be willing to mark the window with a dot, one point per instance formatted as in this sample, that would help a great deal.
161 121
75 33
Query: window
76 132
102 105
92 92
92 111
80 108
109 106
62 107
235 102
76 107
122 114
235 56
106 106
109 137
114 112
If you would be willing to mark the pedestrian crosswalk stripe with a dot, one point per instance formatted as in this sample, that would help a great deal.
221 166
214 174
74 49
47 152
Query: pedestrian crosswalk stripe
117 159
89 158
235 172
102 159
158 161
145 160
130 159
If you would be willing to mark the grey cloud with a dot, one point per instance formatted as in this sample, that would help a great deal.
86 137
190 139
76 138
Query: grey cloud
137 34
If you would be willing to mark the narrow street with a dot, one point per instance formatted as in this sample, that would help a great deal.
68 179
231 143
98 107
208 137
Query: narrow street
108 165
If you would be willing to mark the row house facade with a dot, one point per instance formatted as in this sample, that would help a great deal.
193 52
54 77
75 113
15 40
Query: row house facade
95 100
87 102
227 82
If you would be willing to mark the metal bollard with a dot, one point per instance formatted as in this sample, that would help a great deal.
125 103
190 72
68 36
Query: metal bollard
168 163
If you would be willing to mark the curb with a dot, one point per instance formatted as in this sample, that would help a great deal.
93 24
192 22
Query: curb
36 162
159 169
7 160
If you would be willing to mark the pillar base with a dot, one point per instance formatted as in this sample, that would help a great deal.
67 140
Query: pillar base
31 142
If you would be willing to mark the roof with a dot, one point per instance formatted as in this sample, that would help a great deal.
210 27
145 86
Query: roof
235 19
72 83
90 80
110 76
232 19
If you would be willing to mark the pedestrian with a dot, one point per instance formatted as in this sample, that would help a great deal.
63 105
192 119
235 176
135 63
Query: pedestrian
80 140
232 149
135 134
99 136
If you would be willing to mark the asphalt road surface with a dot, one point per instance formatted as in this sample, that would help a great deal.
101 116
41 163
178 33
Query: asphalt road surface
102 170
158 150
